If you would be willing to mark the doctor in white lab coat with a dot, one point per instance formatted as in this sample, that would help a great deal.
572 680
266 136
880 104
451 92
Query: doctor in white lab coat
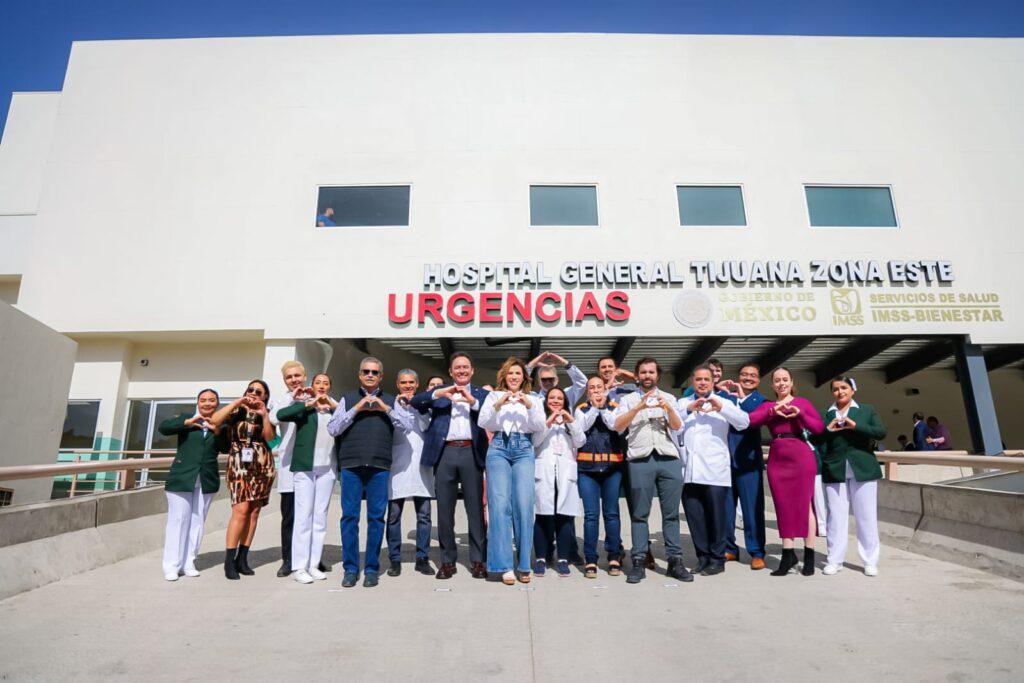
707 474
557 495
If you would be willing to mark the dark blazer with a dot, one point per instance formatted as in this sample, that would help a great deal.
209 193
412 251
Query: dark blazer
196 456
440 417
745 444
306 428
855 446
920 434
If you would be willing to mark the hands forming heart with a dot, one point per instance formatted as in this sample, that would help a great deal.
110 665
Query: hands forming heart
786 410
303 393
841 424
729 386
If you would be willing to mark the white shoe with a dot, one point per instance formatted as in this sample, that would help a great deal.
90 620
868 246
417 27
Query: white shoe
317 574
870 570
171 576
303 576
190 571
831 569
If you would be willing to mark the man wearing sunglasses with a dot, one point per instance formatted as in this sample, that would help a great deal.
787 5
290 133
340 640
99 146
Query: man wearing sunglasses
456 447
546 373
365 433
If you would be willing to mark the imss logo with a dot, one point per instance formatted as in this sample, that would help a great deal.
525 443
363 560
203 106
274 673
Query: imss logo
846 308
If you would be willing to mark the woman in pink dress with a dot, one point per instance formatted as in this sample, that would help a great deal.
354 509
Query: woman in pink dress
791 467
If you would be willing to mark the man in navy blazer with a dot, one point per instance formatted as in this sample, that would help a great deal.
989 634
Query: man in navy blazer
456 447
747 480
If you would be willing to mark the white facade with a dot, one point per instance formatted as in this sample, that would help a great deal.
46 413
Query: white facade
164 199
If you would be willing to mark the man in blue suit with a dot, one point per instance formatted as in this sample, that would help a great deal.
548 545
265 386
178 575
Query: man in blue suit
747 481
457 449
921 434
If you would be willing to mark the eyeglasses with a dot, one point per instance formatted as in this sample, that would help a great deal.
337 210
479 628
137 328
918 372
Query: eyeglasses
548 380
371 373
255 390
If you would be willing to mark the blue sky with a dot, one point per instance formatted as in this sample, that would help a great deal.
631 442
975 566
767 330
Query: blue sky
36 35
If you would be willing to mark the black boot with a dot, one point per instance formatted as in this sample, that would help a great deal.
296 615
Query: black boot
677 570
808 562
242 561
637 572
788 562
230 571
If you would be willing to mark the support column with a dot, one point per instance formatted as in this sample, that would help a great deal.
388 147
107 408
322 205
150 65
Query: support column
981 409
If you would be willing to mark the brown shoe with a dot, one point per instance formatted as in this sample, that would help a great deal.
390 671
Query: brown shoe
649 561
729 557
757 563
478 570
446 570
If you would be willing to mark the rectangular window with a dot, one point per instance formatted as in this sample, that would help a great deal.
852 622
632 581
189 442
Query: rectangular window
363 206
850 207
563 205
6 496
710 205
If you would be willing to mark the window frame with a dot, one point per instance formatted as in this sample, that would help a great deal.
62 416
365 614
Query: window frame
743 200
873 186
321 186
575 226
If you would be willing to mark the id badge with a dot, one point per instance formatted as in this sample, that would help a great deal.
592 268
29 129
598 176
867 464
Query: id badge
247 454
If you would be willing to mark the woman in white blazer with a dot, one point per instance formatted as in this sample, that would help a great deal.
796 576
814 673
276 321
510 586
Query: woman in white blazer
556 493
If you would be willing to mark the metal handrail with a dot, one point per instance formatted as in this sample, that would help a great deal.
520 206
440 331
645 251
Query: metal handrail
126 467
1011 461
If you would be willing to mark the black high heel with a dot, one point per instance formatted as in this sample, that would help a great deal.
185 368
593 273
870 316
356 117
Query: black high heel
808 569
788 562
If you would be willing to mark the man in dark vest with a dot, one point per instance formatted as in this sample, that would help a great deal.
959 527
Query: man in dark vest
456 447
364 423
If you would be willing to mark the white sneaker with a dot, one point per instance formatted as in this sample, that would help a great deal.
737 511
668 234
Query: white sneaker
870 570
190 571
831 569
317 574
171 576
303 577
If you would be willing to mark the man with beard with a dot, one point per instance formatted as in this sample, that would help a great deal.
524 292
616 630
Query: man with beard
649 420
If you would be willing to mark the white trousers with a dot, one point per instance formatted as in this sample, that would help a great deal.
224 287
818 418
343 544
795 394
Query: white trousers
820 512
864 496
312 497
186 515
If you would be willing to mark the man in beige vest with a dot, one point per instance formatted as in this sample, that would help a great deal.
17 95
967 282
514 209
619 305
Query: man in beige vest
650 417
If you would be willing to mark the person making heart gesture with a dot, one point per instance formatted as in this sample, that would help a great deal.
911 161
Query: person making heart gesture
191 484
364 423
512 414
250 471
556 493
792 467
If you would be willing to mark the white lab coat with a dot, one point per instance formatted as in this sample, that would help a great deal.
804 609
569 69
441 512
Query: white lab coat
408 478
704 441
286 446
556 464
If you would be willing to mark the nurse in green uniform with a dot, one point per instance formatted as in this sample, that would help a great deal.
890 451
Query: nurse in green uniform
313 467
191 483
851 473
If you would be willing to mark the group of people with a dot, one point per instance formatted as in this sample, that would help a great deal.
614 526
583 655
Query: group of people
528 457
929 435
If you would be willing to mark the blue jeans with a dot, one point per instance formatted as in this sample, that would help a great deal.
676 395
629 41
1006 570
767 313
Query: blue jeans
510 496
395 507
601 490
354 482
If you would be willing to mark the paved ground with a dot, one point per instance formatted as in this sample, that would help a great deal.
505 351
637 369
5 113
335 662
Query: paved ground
922 619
